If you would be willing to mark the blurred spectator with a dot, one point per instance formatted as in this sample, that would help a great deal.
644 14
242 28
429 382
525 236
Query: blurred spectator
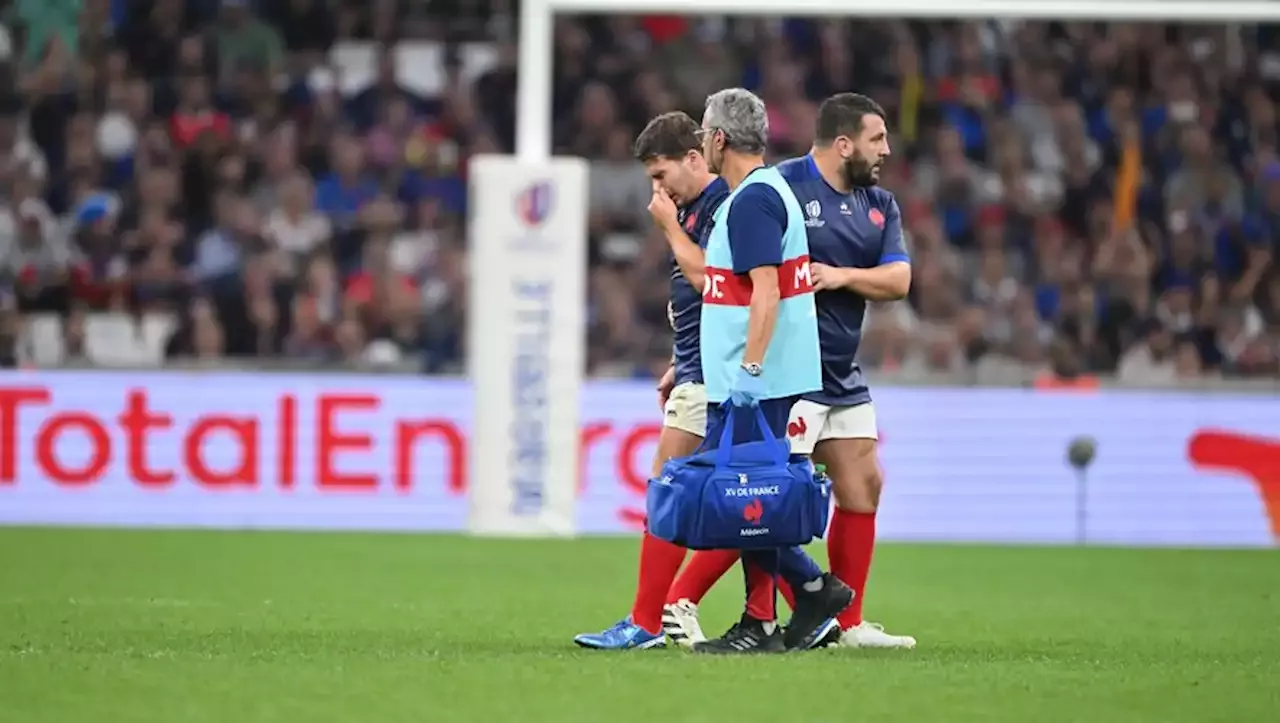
245 42
34 259
101 274
47 23
295 228
152 36
343 192
158 282
1151 358
218 250
309 338
388 140
368 105
288 178
195 115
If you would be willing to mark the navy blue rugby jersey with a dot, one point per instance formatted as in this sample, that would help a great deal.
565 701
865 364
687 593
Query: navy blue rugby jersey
861 229
696 218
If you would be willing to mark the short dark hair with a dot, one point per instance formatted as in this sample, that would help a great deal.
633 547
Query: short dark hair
670 135
842 115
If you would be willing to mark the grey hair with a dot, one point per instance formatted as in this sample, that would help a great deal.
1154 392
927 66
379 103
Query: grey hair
741 115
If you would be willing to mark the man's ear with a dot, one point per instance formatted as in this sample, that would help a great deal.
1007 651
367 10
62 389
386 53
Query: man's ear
844 144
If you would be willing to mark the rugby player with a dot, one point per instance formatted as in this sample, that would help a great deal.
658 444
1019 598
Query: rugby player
760 348
685 198
857 255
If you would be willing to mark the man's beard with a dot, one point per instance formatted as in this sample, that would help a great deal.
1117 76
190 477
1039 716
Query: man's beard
858 171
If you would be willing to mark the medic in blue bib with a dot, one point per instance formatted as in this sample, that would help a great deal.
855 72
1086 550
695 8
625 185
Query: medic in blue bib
760 345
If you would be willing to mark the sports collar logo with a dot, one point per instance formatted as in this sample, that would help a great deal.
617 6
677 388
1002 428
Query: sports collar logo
814 211
845 210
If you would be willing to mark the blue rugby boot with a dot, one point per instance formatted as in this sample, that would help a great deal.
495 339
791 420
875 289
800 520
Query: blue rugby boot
624 635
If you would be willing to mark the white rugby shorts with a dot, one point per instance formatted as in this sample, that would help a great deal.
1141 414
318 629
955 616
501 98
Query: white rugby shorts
811 423
686 409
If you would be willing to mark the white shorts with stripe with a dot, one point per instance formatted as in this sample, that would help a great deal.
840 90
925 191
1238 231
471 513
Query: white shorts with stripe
811 423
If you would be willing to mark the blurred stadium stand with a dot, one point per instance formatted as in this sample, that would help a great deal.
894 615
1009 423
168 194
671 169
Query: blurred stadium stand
282 184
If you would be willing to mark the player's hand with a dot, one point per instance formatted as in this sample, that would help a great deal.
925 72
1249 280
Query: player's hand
665 385
662 208
747 390
825 277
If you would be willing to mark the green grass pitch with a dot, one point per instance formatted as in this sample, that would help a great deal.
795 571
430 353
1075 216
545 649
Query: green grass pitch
176 627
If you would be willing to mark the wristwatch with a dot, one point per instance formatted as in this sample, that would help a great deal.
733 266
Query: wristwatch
752 369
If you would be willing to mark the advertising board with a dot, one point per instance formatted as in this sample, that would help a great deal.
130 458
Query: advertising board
225 450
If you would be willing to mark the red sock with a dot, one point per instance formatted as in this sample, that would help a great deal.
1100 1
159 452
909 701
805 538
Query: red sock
762 596
705 568
850 543
659 562
787 593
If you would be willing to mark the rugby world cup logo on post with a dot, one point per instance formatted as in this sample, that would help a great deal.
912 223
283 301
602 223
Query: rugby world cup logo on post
534 203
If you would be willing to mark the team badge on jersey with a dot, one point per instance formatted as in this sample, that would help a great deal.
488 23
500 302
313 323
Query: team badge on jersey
876 217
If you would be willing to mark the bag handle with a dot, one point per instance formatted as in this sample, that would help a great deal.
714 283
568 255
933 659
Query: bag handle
724 453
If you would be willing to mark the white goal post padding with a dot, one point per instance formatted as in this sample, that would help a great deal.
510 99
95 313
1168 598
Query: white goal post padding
533 94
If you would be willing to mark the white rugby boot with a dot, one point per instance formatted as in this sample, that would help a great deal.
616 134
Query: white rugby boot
872 635
680 623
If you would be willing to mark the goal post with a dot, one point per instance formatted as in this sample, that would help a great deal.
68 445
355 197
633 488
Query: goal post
534 80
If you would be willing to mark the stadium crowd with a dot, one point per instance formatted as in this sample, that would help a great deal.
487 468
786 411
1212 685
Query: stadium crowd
287 178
